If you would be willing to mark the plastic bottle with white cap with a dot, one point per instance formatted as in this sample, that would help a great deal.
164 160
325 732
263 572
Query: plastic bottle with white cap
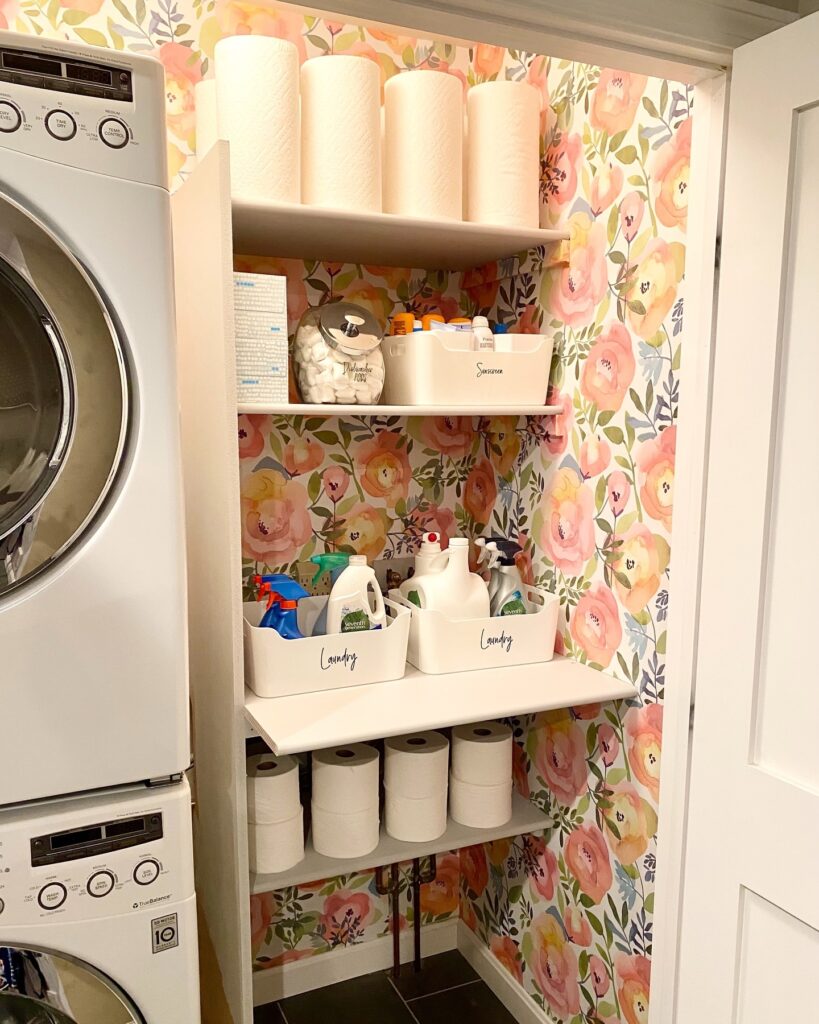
484 338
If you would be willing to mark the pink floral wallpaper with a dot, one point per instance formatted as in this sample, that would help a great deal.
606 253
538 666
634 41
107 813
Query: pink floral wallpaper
588 493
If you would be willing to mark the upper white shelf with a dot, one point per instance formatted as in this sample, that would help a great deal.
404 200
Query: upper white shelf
379 239
311 721
288 409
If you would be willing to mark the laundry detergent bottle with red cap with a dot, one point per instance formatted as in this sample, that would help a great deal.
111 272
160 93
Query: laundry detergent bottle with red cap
430 558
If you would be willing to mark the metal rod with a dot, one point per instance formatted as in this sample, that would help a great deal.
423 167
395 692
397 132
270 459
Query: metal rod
396 922
416 912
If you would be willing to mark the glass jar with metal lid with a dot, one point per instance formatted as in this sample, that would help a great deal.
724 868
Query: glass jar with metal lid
337 353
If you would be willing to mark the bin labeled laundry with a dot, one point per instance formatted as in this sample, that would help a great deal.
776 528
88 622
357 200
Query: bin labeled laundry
438 643
276 666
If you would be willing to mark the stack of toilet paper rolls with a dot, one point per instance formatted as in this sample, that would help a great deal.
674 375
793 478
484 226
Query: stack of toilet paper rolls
415 786
274 813
345 800
480 783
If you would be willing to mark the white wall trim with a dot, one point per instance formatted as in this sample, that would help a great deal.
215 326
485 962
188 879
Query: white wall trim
513 996
348 962
704 218
659 37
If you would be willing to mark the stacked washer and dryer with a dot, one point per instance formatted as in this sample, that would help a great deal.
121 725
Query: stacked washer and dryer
97 909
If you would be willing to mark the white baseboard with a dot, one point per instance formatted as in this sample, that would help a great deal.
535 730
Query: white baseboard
517 1001
348 962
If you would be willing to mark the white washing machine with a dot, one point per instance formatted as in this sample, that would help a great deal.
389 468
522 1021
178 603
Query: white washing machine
93 659
98 918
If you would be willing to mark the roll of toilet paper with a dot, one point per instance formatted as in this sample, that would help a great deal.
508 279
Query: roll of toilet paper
276 846
345 778
207 117
257 85
503 154
272 788
417 765
482 753
423 140
415 821
341 133
345 835
480 806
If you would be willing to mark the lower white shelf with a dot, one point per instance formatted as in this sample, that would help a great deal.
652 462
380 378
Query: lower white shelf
525 818
311 721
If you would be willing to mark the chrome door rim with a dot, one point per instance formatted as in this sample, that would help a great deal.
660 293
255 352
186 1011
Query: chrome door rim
105 980
16 280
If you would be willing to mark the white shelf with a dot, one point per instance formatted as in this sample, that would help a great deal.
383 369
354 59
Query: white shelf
525 818
380 239
311 721
288 409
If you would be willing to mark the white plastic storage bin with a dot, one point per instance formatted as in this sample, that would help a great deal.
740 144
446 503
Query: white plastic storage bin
275 667
428 368
438 644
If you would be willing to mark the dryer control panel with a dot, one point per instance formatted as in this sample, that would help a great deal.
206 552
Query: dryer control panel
89 108
95 857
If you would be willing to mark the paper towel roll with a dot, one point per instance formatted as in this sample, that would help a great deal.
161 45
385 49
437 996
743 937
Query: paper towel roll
503 158
341 133
276 846
207 118
345 835
423 141
482 753
272 788
415 821
417 765
257 84
480 806
345 778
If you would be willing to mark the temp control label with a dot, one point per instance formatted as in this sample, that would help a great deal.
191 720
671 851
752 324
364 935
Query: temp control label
164 933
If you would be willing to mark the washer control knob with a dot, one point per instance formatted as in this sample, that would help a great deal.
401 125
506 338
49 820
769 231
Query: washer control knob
146 872
10 117
60 125
52 896
100 884
114 133
2 905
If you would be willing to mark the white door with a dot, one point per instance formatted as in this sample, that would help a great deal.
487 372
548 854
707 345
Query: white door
750 934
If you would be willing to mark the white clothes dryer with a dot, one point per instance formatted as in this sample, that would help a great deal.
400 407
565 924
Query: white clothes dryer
93 645
97 910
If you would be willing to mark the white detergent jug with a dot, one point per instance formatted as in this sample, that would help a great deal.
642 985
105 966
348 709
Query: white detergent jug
454 591
429 559
356 601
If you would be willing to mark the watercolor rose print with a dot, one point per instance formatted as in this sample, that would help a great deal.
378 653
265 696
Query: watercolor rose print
588 492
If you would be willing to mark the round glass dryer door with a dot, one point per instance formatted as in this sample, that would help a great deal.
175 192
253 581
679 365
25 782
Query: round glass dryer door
38 987
64 399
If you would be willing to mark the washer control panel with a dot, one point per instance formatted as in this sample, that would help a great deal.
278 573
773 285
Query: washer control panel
61 102
77 864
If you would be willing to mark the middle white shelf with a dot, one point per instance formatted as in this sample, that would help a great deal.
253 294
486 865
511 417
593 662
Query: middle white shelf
312 721
328 410
525 818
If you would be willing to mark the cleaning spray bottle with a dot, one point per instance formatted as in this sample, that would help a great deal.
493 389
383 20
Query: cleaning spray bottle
429 558
334 562
287 594
488 557
265 584
356 602
507 596
454 591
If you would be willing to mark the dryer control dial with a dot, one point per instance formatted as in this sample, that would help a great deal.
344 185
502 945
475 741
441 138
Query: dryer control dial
60 125
10 117
114 133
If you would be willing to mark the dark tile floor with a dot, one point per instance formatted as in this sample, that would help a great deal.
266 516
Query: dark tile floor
446 990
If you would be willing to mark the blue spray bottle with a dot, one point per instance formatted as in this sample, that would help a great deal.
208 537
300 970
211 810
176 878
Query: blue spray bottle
286 595
265 585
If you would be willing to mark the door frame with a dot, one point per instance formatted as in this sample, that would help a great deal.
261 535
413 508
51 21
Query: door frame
519 24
